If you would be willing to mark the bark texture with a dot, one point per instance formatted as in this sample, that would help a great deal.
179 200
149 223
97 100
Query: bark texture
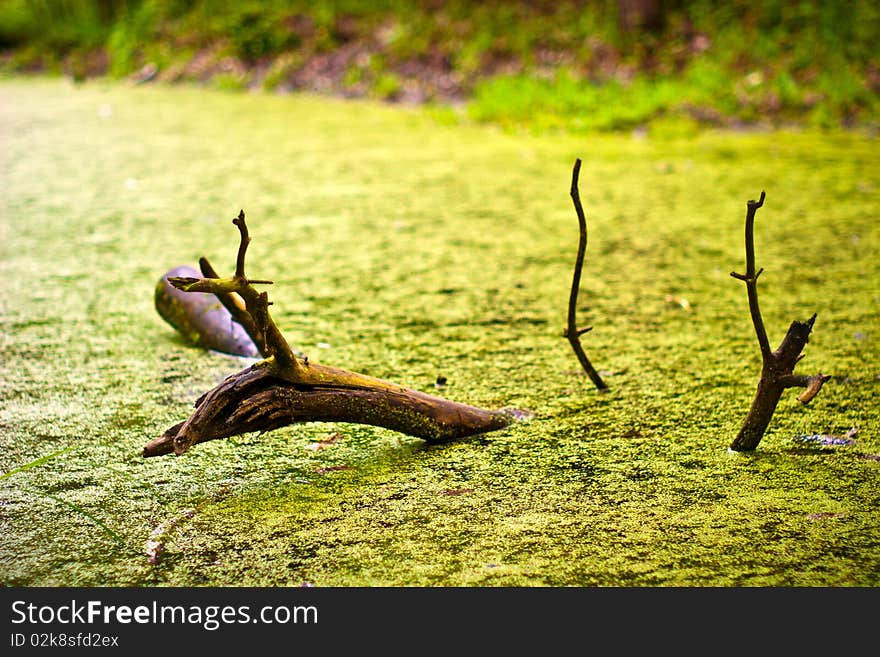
255 399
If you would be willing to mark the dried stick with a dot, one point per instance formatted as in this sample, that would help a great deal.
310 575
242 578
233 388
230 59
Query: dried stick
235 305
572 332
776 366
285 388
256 303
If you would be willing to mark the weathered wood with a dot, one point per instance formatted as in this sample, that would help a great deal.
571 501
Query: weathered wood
285 388
257 400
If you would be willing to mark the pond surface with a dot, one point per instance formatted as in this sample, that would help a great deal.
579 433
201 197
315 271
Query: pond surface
415 251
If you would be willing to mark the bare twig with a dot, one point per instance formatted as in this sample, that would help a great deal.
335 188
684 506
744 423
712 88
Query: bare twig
272 343
813 385
234 304
776 366
572 332
751 276
243 244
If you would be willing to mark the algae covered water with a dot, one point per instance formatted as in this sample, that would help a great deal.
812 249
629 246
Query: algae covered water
438 256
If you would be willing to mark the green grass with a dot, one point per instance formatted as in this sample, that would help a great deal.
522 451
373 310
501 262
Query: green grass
416 249
704 93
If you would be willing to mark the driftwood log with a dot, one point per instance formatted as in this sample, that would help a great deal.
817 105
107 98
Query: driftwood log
777 369
285 388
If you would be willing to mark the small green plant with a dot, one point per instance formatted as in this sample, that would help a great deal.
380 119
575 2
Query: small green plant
387 86
230 81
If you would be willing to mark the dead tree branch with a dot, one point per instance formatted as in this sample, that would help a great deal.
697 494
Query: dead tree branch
572 332
256 304
776 366
235 305
285 388
257 400
200 320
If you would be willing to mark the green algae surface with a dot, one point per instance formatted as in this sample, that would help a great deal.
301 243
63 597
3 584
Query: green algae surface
410 250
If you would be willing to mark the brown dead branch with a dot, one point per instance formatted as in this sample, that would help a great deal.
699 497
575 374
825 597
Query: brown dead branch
572 332
284 388
777 366
200 319
235 305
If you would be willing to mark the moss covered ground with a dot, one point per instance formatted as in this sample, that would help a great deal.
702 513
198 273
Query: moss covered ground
409 249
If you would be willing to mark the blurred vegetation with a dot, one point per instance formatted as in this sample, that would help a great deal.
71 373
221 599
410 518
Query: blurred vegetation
609 64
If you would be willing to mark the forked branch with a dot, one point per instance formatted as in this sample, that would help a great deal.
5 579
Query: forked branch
776 366
260 327
235 305
572 332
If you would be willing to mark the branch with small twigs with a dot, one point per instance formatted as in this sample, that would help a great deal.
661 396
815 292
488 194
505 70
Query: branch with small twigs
572 332
259 324
237 309
285 388
777 366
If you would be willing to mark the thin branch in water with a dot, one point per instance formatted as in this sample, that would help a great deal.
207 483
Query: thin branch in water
751 276
572 332
776 366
